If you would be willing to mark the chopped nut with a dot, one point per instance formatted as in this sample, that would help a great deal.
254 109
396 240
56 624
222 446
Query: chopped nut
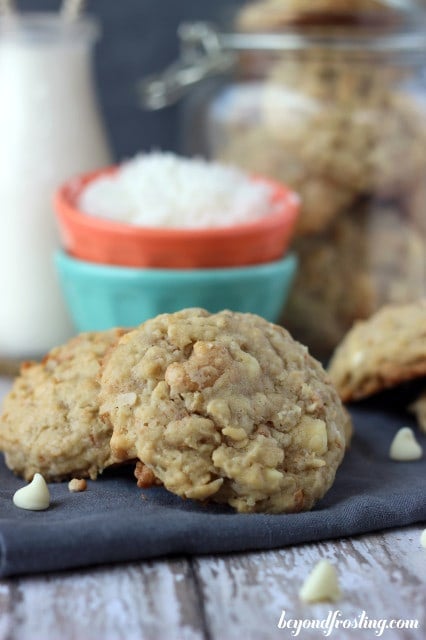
34 496
321 585
77 484
205 366
405 447
144 476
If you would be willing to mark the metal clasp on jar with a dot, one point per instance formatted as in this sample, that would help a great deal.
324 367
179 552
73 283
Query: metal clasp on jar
201 56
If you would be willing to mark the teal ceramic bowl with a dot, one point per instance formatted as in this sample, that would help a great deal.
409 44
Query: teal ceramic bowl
102 296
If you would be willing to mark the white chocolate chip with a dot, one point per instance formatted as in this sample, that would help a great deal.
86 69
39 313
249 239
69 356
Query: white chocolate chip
219 409
273 474
126 399
404 446
315 463
234 433
251 365
423 538
311 433
357 358
35 496
321 585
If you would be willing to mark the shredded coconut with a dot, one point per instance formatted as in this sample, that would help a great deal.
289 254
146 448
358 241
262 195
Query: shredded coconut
164 190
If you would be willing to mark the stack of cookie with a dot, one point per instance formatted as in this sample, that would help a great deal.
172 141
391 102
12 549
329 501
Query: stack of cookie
224 407
346 128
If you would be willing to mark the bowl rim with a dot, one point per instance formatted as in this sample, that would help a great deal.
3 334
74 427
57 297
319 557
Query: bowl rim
287 262
64 202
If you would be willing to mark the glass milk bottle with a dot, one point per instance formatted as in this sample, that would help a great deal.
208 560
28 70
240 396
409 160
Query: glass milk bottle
50 129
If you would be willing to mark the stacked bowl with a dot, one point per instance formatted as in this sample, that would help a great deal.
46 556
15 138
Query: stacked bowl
119 274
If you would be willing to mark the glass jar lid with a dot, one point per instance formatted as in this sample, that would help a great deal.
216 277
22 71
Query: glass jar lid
276 15
357 25
206 50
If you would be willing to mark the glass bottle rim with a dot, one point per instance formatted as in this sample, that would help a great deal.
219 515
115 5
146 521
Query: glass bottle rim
48 28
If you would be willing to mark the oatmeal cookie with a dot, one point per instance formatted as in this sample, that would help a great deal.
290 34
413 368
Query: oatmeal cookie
225 407
349 135
386 349
322 199
345 122
371 251
419 409
50 422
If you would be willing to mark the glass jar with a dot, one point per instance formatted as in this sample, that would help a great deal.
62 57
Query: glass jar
50 129
334 105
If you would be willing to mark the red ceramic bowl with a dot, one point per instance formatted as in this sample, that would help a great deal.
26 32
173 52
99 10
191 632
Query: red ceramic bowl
98 240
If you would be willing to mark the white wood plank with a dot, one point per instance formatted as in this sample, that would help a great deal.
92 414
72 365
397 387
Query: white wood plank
149 601
382 574
5 608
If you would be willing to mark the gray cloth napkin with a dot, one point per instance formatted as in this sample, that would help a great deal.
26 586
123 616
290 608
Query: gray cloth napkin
115 521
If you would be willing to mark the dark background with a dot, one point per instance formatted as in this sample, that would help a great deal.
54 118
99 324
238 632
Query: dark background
139 38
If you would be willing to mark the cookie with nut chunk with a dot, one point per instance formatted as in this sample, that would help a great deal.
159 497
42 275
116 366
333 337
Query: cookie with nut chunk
381 352
50 422
226 407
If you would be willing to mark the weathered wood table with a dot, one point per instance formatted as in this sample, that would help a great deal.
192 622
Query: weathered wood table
227 597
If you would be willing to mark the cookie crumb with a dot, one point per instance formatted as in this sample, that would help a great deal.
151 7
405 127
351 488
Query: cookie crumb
405 447
423 538
77 484
321 585
34 496
144 476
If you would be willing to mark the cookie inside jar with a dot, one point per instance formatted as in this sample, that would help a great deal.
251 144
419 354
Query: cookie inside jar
334 105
